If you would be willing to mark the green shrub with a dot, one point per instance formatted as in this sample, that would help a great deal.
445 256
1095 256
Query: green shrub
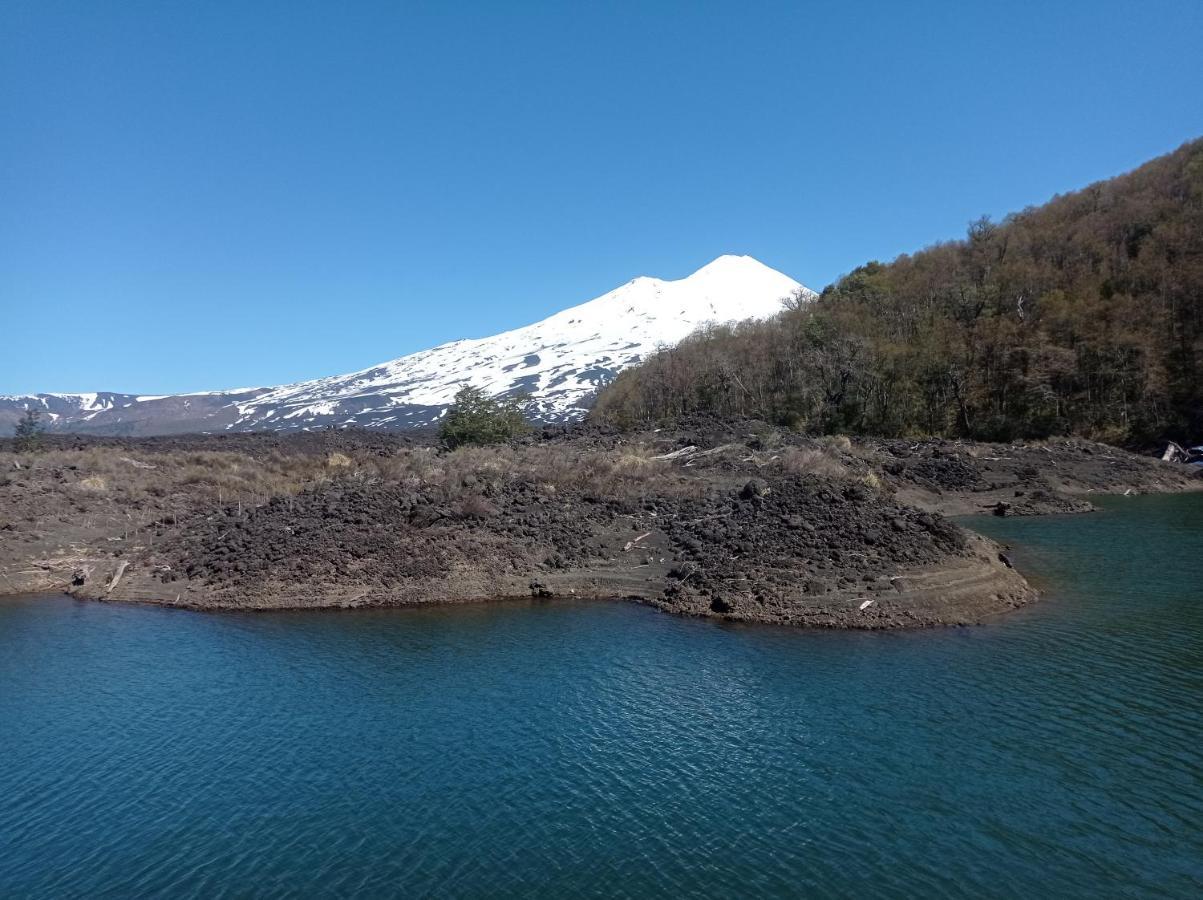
477 418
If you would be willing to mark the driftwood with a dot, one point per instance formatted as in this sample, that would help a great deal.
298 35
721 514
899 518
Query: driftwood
136 464
711 451
630 545
121 567
1174 453
677 454
691 453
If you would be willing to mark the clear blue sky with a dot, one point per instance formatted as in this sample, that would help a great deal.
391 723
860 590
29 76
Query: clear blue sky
205 195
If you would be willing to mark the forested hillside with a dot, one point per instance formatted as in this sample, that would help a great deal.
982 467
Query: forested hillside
1082 316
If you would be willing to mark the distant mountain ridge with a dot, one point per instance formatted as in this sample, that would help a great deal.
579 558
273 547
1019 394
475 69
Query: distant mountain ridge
558 362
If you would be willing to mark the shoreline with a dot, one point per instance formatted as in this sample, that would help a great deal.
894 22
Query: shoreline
718 521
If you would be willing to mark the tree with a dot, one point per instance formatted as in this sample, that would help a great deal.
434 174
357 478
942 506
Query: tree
27 436
1083 316
477 418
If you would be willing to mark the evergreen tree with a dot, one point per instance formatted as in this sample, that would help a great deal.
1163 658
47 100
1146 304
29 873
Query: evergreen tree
27 436
477 418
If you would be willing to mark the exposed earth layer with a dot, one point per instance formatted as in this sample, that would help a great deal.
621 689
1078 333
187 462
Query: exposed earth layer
737 521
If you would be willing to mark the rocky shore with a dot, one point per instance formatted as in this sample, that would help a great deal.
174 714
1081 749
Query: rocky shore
736 521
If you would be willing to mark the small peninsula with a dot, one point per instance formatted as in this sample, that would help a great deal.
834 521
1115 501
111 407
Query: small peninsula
738 520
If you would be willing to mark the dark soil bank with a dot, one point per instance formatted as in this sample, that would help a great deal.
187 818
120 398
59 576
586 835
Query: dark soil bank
743 521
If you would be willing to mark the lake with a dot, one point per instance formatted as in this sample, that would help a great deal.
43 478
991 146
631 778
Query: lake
556 749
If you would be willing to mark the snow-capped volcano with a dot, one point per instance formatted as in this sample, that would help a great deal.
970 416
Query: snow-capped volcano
558 362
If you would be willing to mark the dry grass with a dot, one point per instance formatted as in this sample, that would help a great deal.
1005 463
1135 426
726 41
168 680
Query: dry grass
467 469
627 471
839 442
822 462
217 475
111 478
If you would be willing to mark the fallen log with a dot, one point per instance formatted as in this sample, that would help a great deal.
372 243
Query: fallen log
121 567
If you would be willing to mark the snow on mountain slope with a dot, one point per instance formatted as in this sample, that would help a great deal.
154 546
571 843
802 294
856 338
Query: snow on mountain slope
558 362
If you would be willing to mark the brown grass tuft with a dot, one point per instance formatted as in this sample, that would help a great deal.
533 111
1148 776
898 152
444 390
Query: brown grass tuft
823 463
840 442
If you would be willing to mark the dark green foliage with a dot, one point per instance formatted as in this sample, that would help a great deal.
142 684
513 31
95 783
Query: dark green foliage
477 418
27 434
1082 316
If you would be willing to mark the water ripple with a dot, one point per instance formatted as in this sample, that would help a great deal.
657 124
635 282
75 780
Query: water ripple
607 750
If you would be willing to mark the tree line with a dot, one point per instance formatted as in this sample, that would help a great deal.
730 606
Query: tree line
1082 316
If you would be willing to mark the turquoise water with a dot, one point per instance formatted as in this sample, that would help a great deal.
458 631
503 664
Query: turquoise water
609 750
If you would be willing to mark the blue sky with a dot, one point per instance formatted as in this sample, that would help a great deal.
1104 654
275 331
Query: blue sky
206 195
